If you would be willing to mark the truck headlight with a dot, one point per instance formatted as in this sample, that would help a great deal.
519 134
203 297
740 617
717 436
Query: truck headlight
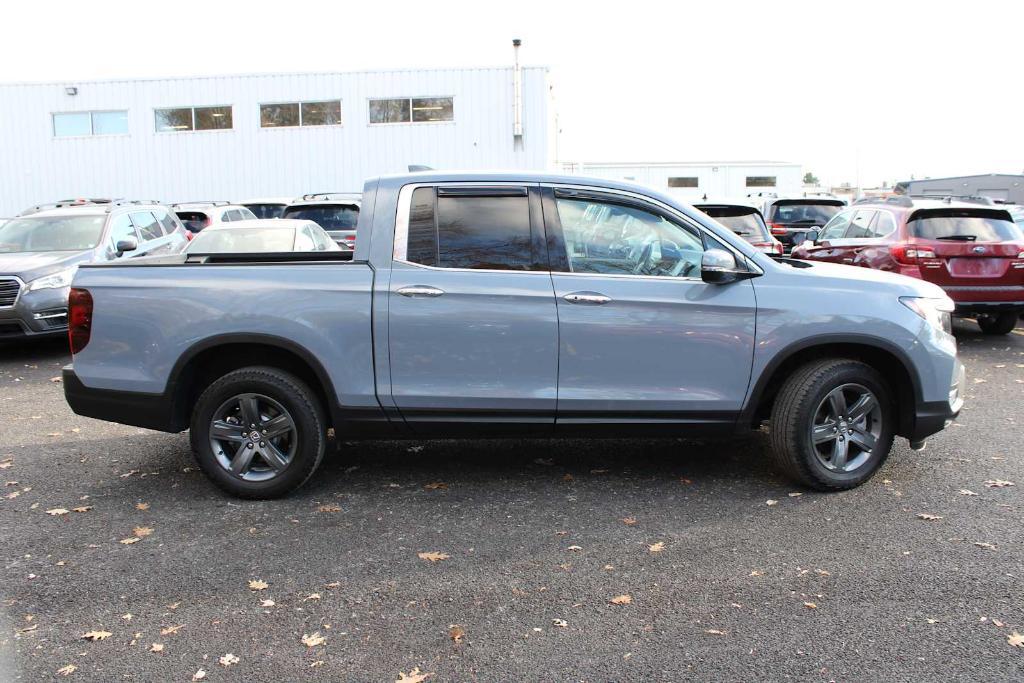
54 281
937 311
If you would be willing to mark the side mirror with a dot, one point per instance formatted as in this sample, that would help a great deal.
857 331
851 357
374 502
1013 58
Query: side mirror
812 235
718 266
127 244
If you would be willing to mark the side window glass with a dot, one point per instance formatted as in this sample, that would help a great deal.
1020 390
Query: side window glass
860 226
836 227
121 228
624 240
884 224
147 226
303 241
246 215
166 221
422 240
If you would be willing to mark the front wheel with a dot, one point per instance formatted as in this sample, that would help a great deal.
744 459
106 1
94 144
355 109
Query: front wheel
258 432
832 424
1002 323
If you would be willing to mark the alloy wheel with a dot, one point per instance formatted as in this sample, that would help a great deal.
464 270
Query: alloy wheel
846 428
253 437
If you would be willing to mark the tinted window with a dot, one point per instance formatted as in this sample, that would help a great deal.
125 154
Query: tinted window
390 111
266 210
147 226
169 120
321 113
422 243
56 233
741 220
279 115
624 240
683 181
484 232
967 225
860 226
121 228
761 181
811 213
166 222
328 217
213 118
432 109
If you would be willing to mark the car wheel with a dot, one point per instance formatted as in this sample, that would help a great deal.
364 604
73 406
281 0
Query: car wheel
832 424
997 324
258 432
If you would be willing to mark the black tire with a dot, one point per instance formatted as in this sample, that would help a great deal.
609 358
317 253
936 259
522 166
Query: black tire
1002 323
277 393
797 407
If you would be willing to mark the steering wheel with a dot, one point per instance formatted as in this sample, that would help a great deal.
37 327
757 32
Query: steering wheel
645 256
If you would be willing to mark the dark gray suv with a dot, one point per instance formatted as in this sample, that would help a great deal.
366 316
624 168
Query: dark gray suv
39 254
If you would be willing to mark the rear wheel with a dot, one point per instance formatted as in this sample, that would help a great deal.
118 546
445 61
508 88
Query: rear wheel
258 432
832 424
1003 323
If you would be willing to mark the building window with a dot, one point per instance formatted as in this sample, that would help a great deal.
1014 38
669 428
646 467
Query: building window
412 110
761 181
683 181
286 114
83 123
193 118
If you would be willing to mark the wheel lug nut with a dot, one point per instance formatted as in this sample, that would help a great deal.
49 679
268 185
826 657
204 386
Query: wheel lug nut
263 443
264 431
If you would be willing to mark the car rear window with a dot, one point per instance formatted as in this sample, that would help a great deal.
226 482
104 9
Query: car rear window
811 212
327 216
745 222
193 220
969 225
266 210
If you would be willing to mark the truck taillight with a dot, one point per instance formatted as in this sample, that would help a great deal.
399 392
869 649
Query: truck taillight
79 318
909 254
778 229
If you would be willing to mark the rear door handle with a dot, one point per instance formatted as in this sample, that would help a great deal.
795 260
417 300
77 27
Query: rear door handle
592 298
420 290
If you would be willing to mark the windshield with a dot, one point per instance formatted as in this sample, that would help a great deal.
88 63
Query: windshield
242 241
966 225
266 210
51 233
746 223
329 217
811 213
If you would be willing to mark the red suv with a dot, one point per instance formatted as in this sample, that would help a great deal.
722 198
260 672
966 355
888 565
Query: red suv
974 252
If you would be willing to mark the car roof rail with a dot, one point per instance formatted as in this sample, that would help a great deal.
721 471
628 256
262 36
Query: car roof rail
125 202
208 202
67 203
969 198
331 195
897 200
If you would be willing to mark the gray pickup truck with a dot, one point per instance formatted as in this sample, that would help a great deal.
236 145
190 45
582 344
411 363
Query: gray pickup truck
510 305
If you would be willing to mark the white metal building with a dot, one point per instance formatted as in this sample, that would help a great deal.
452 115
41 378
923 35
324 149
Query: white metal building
694 180
235 137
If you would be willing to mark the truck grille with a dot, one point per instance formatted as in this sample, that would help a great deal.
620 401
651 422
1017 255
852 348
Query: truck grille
9 288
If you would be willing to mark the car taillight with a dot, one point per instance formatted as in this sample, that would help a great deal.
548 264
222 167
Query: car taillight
909 254
350 242
79 318
778 229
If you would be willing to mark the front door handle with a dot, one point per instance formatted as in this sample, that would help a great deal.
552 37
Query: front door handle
592 298
420 290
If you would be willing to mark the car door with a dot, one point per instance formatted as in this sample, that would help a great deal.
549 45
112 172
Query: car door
827 247
151 235
859 235
122 228
643 340
472 322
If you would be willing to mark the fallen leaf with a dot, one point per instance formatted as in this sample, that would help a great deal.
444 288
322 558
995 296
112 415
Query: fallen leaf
142 506
142 531
547 462
629 521
199 675
228 660
56 512
986 546
156 647
67 670
1015 639
169 630
998 483
997 623
434 485
926 516
329 508
560 623
174 605
810 605
456 633
311 596
621 600
267 603
129 541
575 548
97 635
55 379
28 629
966 492
258 585
332 584
771 502
413 676
715 632
317 663
313 640
795 494
656 547
84 508
756 573
980 380
602 470
567 477
433 556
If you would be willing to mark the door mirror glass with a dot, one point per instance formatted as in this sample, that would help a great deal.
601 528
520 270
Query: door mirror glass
812 235
718 266
126 244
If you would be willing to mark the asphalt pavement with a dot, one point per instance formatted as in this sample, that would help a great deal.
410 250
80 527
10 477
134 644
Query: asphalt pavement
644 560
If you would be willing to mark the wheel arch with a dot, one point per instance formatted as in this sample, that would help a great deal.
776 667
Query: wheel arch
884 356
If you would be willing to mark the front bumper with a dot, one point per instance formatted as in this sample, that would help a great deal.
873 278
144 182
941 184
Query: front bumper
42 313
934 416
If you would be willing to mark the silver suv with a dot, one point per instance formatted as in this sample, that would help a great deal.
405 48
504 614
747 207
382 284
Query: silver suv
40 252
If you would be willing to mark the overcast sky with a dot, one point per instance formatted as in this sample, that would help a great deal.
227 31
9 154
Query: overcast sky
869 90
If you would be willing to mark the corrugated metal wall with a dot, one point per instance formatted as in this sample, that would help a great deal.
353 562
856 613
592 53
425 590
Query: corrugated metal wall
249 161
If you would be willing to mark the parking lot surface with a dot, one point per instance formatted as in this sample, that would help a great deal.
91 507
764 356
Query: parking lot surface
660 560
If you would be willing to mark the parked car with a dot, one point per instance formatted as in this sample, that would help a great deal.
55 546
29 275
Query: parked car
40 253
335 212
267 207
198 216
745 220
789 218
492 305
1016 213
267 235
974 252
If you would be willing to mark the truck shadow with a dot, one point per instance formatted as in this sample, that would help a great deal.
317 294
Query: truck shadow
46 349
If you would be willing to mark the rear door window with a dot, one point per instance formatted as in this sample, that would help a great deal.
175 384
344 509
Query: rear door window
860 226
165 220
884 225
147 225
964 225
